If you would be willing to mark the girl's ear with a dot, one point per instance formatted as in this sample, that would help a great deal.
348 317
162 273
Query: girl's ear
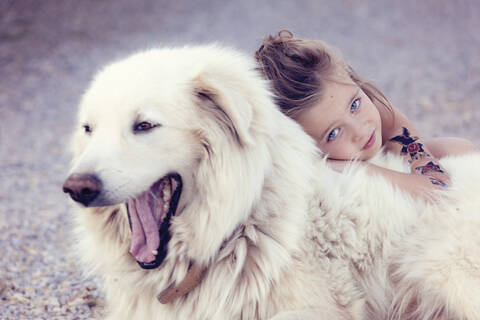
227 103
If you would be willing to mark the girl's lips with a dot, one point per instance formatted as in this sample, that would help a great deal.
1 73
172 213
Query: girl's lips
370 141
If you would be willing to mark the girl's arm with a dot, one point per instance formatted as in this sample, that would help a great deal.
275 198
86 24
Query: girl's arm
402 138
417 185
422 162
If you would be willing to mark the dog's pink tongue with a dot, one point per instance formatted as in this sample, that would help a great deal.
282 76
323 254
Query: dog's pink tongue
145 237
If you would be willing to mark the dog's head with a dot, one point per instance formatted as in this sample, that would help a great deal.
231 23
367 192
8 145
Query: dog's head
162 131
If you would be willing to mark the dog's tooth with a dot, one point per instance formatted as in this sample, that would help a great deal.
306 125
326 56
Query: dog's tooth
155 252
166 195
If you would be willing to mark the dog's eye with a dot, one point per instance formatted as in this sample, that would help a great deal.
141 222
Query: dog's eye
87 128
143 126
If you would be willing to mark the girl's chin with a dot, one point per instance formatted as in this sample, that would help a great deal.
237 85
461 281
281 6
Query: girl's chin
370 153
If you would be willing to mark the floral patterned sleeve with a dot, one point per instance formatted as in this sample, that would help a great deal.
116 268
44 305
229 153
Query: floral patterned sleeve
421 162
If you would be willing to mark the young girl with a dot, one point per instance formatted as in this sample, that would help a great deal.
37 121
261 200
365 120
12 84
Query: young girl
349 117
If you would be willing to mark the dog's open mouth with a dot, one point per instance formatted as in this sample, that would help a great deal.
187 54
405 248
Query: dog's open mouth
149 215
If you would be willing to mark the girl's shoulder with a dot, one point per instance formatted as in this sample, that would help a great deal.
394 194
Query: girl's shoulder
393 121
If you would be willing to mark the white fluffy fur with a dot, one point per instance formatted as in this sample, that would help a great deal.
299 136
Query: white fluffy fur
282 236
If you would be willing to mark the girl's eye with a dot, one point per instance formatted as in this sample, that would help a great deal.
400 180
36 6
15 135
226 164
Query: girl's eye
333 134
87 128
355 105
144 126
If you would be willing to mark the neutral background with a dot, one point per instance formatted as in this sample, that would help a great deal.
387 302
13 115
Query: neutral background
424 54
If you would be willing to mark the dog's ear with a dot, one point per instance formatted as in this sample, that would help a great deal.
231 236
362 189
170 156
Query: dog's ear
226 102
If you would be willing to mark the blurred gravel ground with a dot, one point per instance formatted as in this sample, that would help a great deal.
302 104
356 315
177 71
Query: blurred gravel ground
425 55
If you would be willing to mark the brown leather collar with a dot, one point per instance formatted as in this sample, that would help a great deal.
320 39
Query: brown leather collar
193 277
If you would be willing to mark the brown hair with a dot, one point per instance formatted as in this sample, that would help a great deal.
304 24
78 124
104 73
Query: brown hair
298 69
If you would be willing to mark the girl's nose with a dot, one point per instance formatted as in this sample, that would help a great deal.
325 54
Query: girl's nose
356 138
357 133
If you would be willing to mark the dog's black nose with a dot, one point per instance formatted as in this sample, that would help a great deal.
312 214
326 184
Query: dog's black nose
83 188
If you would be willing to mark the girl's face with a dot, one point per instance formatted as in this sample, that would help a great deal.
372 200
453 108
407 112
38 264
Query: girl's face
345 123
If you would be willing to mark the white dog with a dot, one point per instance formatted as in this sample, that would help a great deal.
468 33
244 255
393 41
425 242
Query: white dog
200 200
